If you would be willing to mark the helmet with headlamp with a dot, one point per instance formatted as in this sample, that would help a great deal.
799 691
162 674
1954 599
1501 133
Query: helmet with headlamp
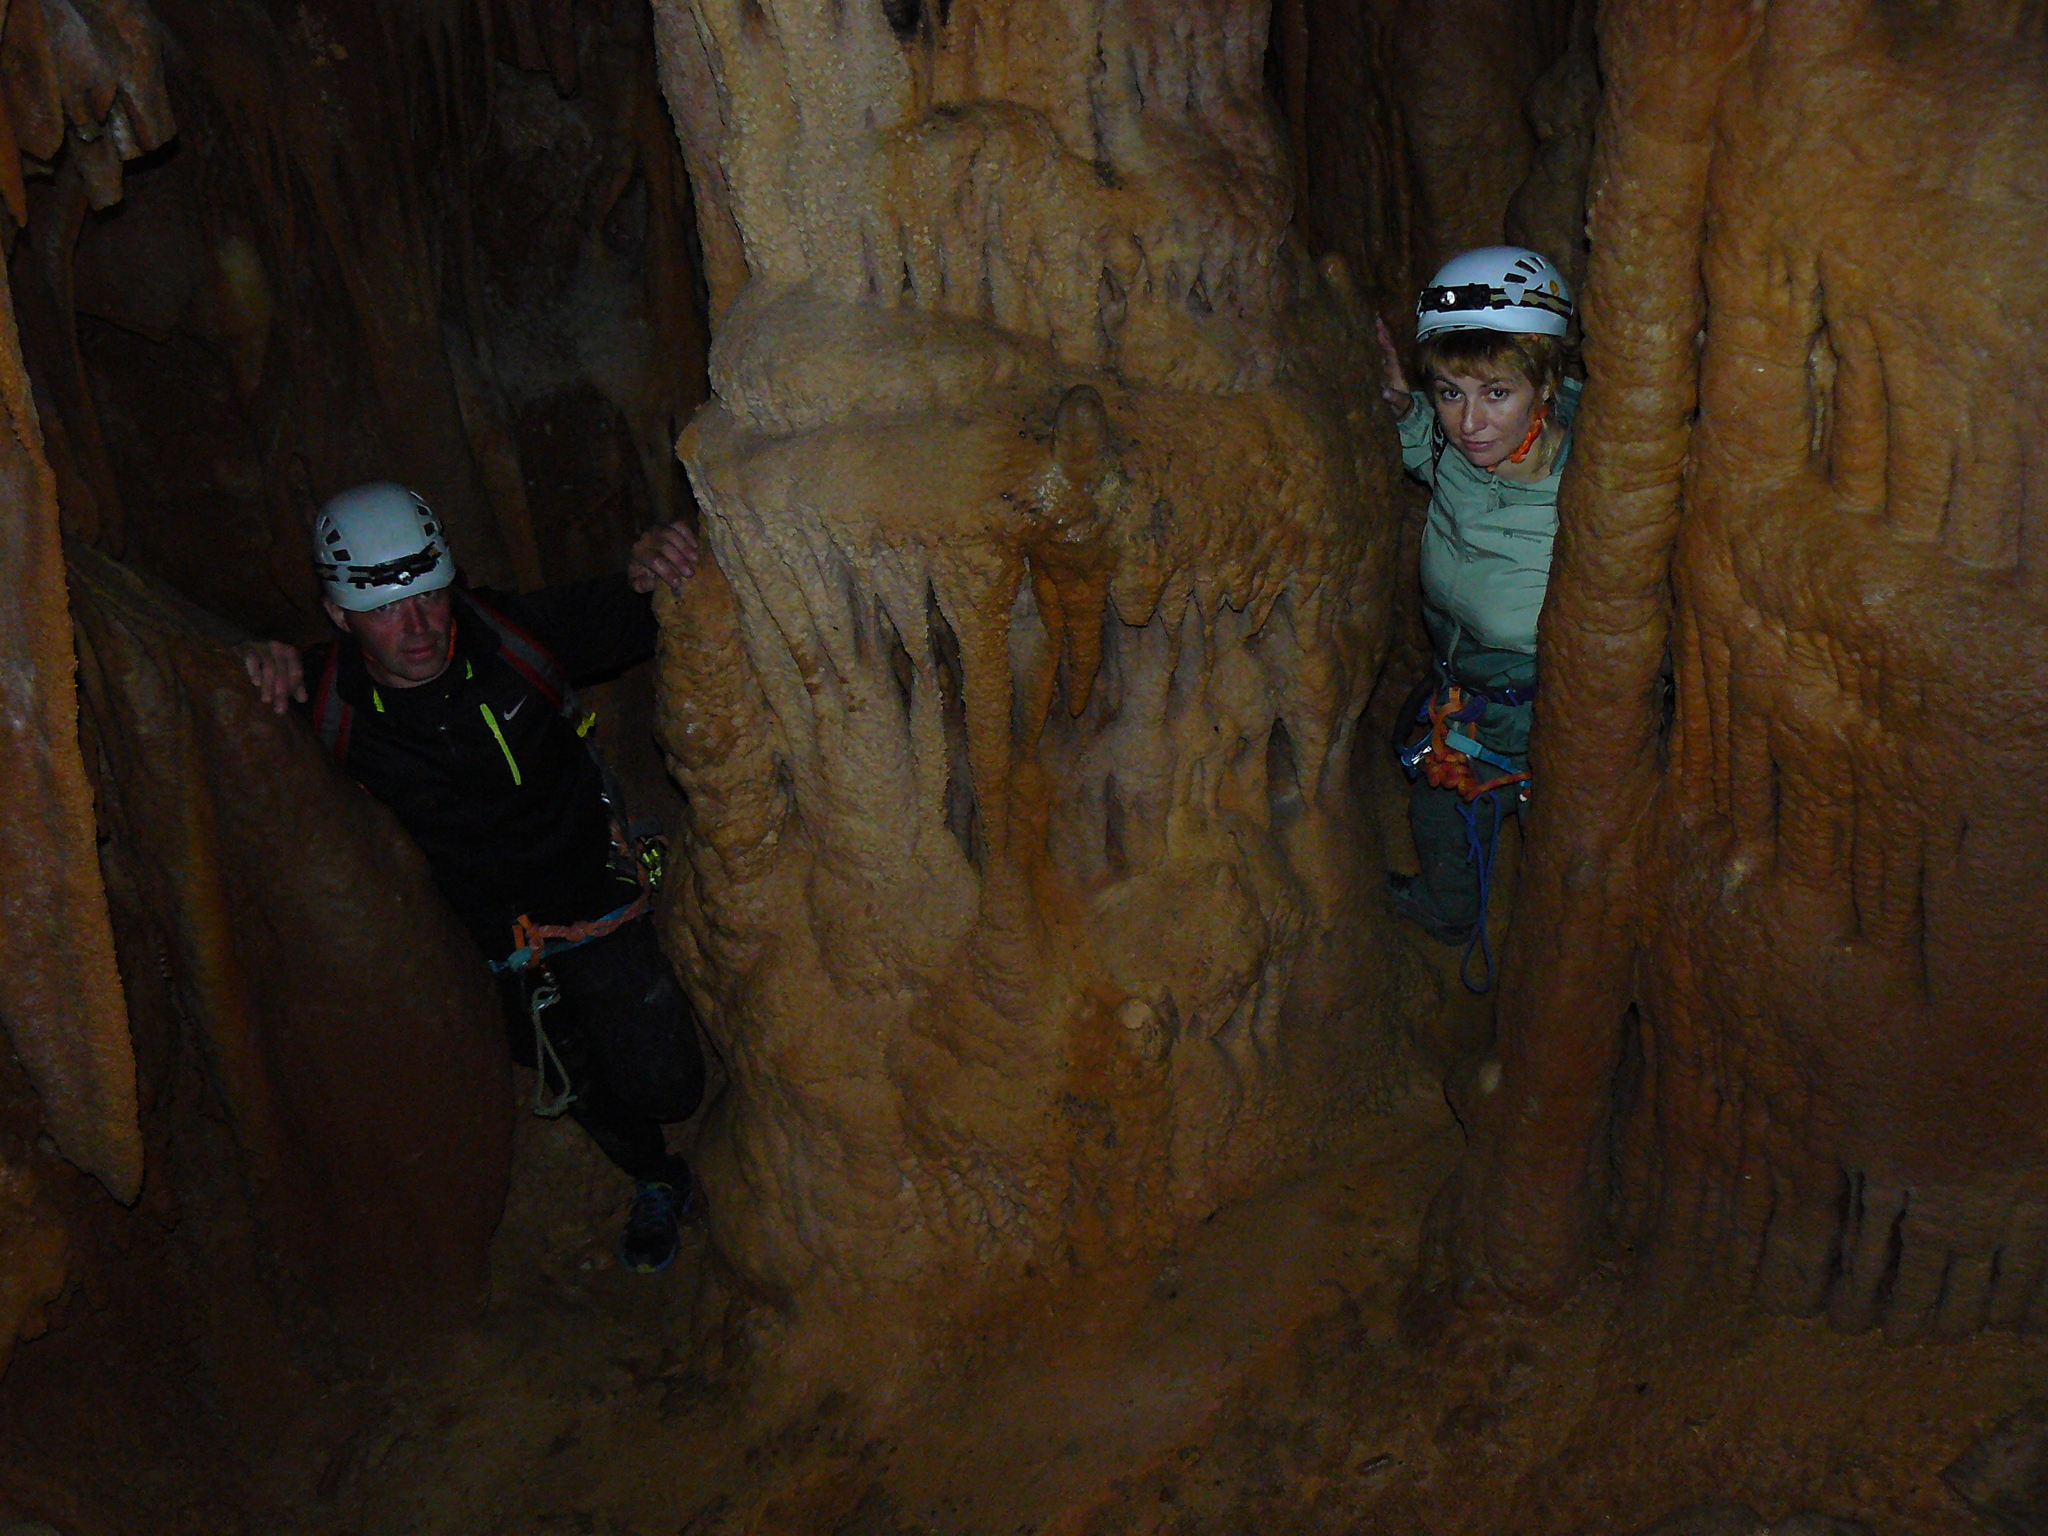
1496 288
379 543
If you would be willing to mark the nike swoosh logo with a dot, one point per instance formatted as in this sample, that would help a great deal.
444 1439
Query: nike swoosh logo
507 714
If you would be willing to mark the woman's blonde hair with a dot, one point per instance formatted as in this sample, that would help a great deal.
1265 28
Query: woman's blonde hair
1539 359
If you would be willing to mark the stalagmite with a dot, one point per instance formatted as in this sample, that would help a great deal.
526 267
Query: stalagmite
1811 464
1054 567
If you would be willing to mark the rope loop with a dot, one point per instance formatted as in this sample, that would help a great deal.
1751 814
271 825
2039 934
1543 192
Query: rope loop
538 1001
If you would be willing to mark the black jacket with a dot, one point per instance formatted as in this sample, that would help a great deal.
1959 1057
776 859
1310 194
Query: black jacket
514 828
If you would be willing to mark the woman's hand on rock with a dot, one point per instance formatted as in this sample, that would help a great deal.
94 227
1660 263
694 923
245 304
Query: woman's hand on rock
1394 386
277 672
667 553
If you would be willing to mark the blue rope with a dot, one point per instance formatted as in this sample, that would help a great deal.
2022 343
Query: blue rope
1479 852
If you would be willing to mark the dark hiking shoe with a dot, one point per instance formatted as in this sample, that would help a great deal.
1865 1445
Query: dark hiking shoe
1407 898
654 1225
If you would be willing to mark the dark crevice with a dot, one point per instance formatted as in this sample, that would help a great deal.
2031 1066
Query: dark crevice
1838 1248
1624 1089
1114 855
962 806
900 665
1894 1256
1284 802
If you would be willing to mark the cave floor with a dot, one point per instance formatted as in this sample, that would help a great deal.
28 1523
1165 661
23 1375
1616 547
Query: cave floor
1256 1381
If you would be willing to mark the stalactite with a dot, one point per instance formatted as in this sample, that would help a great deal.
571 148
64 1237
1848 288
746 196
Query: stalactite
95 82
61 997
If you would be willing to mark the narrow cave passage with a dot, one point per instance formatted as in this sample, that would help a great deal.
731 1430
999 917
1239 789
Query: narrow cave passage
1087 1145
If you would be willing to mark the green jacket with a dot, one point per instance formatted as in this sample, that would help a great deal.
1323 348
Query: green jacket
1485 550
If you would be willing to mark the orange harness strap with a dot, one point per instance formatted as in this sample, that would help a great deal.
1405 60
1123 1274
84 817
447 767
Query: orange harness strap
533 942
530 940
1445 766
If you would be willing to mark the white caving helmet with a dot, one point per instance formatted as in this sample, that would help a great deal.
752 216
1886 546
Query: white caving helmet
378 543
1495 288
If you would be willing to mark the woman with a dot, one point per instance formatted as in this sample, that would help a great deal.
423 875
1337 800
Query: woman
1489 434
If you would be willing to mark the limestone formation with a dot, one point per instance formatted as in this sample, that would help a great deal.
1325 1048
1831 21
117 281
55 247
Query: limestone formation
1808 472
92 81
1028 898
346 1032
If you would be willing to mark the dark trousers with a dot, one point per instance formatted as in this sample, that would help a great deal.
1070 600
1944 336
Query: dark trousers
1449 877
626 1035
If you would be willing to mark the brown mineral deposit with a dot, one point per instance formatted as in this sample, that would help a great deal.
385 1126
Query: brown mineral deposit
1054 565
1807 471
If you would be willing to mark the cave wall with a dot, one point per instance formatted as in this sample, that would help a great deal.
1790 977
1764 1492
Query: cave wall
1773 1009
446 244
348 1037
1419 129
62 998
1030 906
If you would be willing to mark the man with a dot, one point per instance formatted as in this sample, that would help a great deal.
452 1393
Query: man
457 710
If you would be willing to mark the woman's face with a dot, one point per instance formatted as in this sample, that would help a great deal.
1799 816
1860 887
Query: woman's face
1485 418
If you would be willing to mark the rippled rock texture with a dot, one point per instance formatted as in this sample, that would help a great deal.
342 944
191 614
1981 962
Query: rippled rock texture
1775 1004
1054 566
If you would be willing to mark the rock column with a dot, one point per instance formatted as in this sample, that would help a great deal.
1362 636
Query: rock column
1050 506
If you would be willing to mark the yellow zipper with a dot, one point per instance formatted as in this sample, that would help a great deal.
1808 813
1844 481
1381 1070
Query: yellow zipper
510 762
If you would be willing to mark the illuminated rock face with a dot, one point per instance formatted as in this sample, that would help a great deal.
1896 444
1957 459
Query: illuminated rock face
95 86
1821 881
1054 567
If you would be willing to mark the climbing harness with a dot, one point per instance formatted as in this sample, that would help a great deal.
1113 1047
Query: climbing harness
534 943
637 849
1445 757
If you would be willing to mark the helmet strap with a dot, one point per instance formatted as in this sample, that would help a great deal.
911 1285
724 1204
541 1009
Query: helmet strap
1537 418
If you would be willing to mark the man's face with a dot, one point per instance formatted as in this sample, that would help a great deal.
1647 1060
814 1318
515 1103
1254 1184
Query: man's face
405 643
1486 419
